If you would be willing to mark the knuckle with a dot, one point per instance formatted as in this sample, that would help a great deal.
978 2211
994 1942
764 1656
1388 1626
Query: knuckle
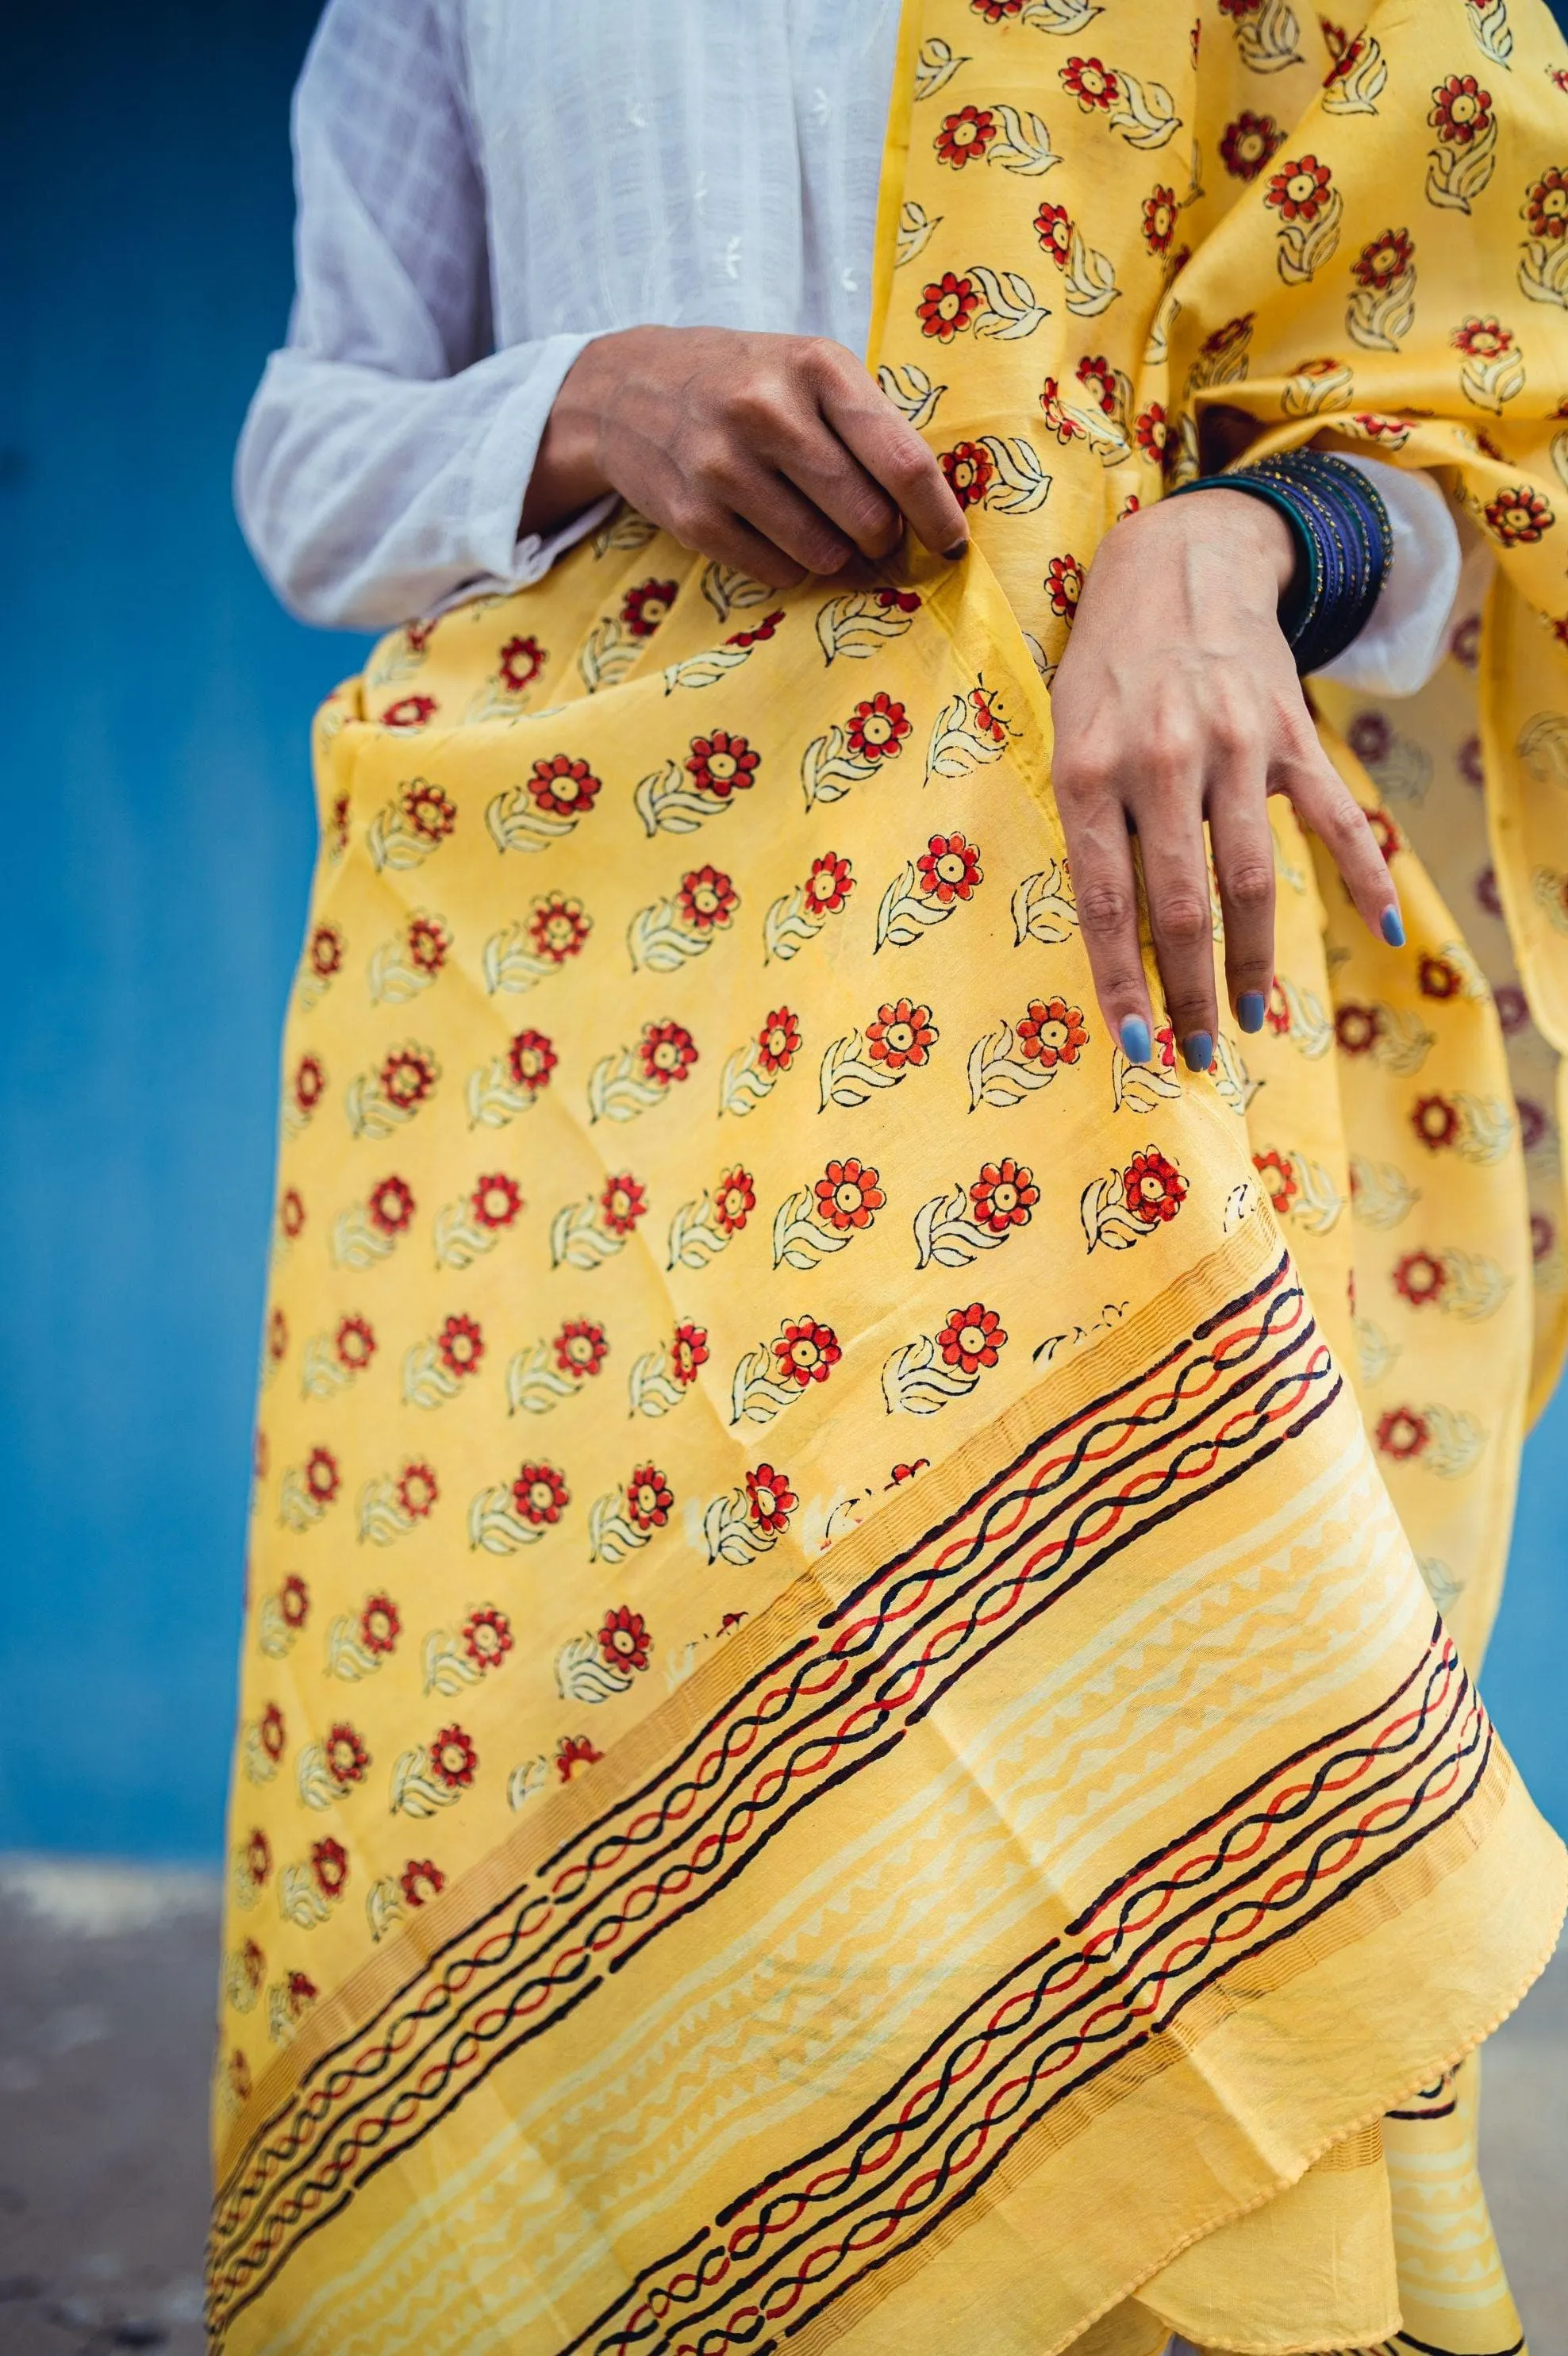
1173 743
759 403
1081 776
1181 920
1250 885
1104 908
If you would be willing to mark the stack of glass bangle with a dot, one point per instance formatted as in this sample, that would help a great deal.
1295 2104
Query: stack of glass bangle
1343 543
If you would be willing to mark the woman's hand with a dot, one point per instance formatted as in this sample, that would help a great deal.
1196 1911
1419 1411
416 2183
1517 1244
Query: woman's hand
776 454
1177 701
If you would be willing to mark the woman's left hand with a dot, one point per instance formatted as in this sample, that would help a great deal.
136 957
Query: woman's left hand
1176 700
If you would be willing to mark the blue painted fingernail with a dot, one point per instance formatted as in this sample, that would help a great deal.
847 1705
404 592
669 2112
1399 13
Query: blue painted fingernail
1133 1033
1197 1051
1250 1009
1393 928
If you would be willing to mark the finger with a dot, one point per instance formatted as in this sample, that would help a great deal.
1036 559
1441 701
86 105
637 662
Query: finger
1099 856
1323 801
837 485
1175 881
784 516
1244 871
717 531
894 456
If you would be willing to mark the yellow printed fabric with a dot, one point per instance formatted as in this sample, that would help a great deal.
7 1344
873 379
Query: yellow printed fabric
858 1726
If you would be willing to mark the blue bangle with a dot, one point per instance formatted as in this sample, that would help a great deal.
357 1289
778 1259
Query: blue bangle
1344 546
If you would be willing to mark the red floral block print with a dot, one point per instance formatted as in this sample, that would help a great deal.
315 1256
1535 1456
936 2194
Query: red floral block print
1299 191
460 1345
573 1750
688 1351
301 1990
324 953
1159 220
238 2077
1482 339
309 1084
1004 1197
1097 379
622 1203
409 712
1384 832
429 944
1437 978
779 1041
972 1338
558 927
1152 432
531 1059
258 1859
624 1640
430 812
1519 516
667 1052
735 1199
769 1498
1053 227
581 1349
903 1034
420 1880
390 1206
379 1625
1546 205
1420 1278
849 1195
347 1757
828 885
993 11
291 1213
322 1476
876 730
965 135
540 1493
486 1637
722 765
1461 110
969 469
520 663
649 1498
329 1865
454 1758
644 607
1092 84
1435 1120
1064 585
1052 1033
1388 257
294 1602
416 1490
947 306
496 1200
1357 1029
253 1968
277 1336
764 630
1153 1188
1250 144
807 1352
407 1076
706 900
1402 1434
272 1732
950 869
354 1344
1279 1178
563 788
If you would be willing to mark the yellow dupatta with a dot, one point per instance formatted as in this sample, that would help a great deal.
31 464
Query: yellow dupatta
938 1806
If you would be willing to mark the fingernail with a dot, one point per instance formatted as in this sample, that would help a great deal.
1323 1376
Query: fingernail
1393 928
960 548
1197 1051
1250 1009
1133 1033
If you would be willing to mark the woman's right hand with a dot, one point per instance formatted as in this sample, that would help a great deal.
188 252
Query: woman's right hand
777 455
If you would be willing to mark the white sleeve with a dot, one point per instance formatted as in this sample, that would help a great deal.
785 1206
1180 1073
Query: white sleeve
1405 640
385 459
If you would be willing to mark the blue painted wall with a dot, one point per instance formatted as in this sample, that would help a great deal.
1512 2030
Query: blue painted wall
156 829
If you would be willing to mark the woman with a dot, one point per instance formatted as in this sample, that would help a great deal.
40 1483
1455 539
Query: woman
948 1808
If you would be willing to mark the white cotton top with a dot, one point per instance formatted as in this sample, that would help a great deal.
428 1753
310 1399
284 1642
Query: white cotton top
484 186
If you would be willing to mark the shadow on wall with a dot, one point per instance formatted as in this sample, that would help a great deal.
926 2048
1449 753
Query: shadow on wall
159 833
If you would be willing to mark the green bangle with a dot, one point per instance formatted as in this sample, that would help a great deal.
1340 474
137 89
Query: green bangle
1302 596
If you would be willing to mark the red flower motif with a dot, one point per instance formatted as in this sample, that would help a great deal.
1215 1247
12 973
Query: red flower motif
294 1602
707 899
330 1864
1347 55
965 135
1299 191
1159 220
1387 257
1099 382
1438 978
379 1625
849 1195
993 11
972 1338
496 1200
300 1989
624 1640
1153 431
520 663
735 1199
876 730
258 1859
1064 585
947 306
902 1472
271 1733
540 1493
420 1880
1153 1188
563 788
309 1084
828 885
1357 1029
454 1758
1402 1434
644 607
1278 1014
649 1498
460 1345
277 1336
531 1059
575 1751
1004 1197
429 943
1279 1177
354 1344
253 1966
407 1076
486 1636
807 1352
769 1498
409 712
687 1351
291 1213
558 927
1461 110
1250 144
667 1052
1240 8
428 810
416 1490
325 952
1546 205
622 1203
1052 1033
390 1206
336 832
722 765
581 1349
897 601
765 629
950 869
1384 832
347 1757
1053 227
1091 84
779 1041
969 467
322 1477
903 1033
239 2076
1519 516
1420 1278
1435 1120
1484 339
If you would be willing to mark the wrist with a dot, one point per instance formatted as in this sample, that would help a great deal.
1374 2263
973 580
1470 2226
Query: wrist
1253 532
568 472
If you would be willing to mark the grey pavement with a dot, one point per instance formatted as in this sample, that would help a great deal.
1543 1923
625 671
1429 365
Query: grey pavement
107 1977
